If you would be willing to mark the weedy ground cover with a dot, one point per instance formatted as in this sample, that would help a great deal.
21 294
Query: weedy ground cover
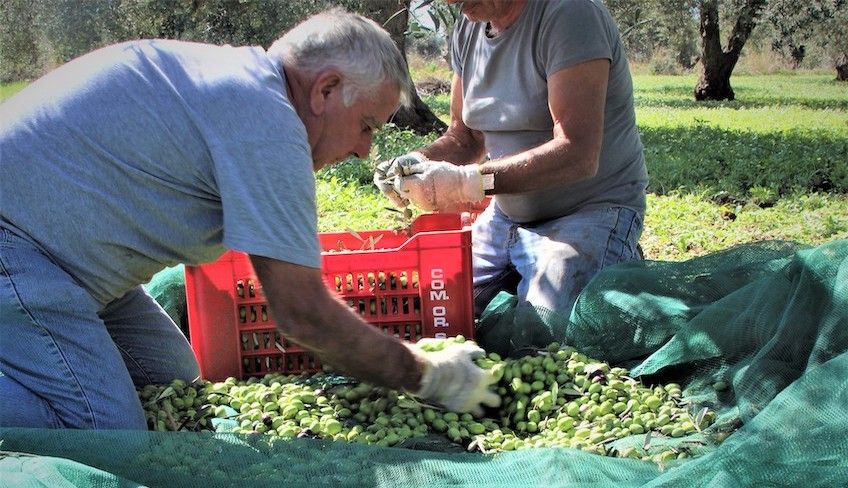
9 89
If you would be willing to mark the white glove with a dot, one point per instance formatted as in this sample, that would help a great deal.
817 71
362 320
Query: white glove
440 186
451 379
386 171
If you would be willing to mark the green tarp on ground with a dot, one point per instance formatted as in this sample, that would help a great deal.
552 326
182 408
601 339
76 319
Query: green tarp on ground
758 333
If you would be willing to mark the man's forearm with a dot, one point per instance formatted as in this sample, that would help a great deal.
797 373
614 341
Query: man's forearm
552 163
555 162
309 314
346 343
458 150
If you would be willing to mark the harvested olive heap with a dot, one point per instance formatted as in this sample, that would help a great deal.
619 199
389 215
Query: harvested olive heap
557 397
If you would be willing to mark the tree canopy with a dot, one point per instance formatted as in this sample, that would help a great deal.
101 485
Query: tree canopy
37 35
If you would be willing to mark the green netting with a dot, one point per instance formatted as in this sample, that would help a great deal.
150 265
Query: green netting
757 333
512 328
167 287
213 460
25 470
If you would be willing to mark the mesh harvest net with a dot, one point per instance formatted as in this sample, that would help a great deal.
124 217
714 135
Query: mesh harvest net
168 288
756 334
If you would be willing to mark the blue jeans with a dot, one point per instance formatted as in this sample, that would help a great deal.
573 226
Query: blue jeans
69 361
548 263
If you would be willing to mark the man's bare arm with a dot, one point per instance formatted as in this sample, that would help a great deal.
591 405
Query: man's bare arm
307 313
576 100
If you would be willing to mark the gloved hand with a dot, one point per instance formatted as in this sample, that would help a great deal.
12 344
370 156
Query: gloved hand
451 379
440 186
386 171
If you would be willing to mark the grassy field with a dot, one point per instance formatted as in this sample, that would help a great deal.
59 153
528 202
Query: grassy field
9 89
773 164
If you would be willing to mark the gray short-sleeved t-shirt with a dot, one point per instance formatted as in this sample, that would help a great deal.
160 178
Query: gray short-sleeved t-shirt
146 154
505 96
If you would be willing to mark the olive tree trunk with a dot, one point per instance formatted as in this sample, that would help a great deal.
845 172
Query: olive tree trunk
842 68
717 62
393 15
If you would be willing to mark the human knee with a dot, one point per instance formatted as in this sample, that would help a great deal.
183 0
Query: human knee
179 365
22 408
188 371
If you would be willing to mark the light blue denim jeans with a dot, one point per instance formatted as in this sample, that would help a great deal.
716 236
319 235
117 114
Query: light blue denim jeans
68 360
549 263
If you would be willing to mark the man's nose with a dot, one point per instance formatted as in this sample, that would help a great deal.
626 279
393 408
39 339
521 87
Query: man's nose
363 148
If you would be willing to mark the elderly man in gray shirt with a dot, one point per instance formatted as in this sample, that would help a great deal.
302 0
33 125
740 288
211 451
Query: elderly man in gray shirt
145 154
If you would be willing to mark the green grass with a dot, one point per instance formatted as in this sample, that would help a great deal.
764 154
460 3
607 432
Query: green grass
423 68
772 164
812 91
681 226
9 89
782 133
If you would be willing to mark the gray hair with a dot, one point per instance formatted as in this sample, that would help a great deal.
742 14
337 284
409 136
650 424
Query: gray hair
357 46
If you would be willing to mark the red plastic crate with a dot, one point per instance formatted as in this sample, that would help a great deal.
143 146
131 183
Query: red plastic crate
409 284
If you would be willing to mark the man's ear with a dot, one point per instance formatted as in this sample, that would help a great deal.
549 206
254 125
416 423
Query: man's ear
327 85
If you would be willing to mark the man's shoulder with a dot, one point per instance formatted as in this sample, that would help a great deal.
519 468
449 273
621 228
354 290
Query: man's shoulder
558 7
578 14
162 50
